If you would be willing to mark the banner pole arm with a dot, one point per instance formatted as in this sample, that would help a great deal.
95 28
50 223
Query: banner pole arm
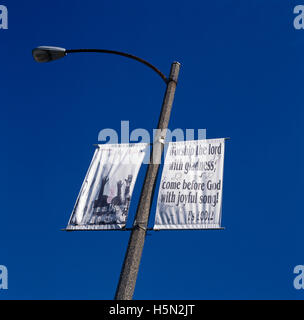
128 276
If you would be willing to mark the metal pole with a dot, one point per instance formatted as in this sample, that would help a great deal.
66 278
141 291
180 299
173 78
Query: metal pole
128 275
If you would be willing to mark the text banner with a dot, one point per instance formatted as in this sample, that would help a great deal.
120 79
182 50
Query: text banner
190 193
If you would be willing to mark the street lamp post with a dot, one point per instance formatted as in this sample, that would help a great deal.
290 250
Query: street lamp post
128 276
131 263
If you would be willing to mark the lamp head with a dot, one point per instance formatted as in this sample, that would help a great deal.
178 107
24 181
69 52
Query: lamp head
47 54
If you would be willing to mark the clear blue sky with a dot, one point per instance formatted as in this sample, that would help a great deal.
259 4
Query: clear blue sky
241 77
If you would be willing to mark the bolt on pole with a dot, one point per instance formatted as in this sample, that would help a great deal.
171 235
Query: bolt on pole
128 275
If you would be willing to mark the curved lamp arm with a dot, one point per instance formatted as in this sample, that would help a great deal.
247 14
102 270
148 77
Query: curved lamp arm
47 54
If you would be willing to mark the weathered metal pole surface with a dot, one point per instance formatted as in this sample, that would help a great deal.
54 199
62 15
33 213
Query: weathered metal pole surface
128 276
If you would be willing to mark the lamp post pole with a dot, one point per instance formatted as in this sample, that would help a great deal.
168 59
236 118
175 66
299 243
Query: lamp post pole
128 276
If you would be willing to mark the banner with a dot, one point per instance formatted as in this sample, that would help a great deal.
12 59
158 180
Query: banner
106 192
190 193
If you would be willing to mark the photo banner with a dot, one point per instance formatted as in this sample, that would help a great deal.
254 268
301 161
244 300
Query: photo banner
104 198
190 193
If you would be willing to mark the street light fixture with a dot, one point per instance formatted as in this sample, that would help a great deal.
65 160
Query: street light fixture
128 275
47 54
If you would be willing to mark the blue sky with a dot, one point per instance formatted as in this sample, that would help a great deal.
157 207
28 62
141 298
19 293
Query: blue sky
241 77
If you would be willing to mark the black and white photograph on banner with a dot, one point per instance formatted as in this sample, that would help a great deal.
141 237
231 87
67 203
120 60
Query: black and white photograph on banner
105 195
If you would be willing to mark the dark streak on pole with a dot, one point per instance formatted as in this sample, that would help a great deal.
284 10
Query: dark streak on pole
128 276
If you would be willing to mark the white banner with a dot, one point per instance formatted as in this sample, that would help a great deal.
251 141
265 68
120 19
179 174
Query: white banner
190 193
105 195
